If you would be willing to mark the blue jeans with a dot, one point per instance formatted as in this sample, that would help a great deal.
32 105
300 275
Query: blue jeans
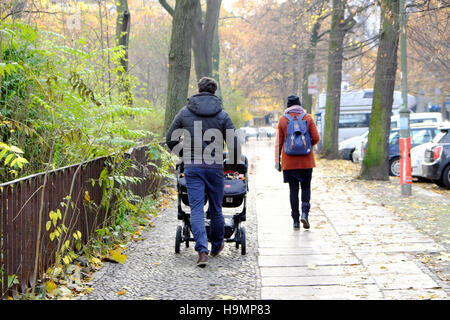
199 180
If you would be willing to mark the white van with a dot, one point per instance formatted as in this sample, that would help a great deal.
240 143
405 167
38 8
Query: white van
420 117
355 109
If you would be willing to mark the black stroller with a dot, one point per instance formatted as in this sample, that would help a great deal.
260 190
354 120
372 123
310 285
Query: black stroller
235 195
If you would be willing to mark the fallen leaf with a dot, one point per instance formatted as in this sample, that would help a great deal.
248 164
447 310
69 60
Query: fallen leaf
50 286
121 292
116 256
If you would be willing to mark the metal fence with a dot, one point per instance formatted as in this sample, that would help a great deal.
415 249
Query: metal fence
24 211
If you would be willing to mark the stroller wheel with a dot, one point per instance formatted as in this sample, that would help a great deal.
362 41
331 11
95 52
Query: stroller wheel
186 235
238 237
178 239
242 241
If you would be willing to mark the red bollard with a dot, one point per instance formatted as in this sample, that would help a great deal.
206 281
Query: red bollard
405 160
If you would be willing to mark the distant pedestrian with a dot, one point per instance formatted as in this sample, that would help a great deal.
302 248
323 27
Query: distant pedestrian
297 169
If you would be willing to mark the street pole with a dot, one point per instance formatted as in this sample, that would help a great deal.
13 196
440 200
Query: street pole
405 139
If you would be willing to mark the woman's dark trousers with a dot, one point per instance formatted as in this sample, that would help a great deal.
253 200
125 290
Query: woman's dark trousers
299 179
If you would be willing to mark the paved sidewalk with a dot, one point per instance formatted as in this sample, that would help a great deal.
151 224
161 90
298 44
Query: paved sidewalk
355 248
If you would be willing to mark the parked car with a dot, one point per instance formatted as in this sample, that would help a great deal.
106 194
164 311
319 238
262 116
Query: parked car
420 133
348 146
436 165
419 117
417 158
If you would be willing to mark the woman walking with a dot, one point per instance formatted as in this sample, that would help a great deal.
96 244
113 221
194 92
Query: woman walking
297 169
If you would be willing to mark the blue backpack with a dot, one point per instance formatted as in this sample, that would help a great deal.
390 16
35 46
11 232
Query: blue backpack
298 139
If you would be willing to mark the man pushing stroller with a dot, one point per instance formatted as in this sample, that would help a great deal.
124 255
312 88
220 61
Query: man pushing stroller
204 127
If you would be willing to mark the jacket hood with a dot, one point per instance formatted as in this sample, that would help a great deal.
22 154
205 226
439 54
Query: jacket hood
295 109
205 104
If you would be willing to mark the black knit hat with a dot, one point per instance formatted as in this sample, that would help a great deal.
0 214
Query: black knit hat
293 100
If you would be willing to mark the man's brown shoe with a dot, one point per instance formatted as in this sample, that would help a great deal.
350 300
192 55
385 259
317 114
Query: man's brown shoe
202 259
214 254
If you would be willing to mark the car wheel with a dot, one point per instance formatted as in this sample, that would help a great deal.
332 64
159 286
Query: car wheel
446 177
394 167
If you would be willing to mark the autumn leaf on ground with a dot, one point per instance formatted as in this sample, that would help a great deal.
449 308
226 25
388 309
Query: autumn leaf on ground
121 292
50 286
116 256
225 297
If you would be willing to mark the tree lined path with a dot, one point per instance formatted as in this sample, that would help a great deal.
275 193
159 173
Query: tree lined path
355 249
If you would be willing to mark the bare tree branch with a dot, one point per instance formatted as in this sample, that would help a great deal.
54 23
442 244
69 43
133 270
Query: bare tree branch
27 11
167 6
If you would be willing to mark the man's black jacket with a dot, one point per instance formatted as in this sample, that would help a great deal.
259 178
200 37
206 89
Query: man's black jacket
205 110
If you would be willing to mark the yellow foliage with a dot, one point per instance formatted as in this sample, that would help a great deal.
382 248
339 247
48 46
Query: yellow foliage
117 256
50 286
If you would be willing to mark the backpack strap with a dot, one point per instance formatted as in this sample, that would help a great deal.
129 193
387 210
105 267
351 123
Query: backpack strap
300 117
289 117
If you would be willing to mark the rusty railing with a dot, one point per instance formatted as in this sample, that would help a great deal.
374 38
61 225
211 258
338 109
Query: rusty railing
24 201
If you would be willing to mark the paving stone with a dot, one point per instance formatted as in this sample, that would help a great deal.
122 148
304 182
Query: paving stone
404 281
306 259
415 294
360 292
314 270
317 280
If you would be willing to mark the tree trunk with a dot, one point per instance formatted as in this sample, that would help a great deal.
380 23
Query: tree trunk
179 59
375 165
296 74
122 39
334 80
216 60
310 56
203 37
